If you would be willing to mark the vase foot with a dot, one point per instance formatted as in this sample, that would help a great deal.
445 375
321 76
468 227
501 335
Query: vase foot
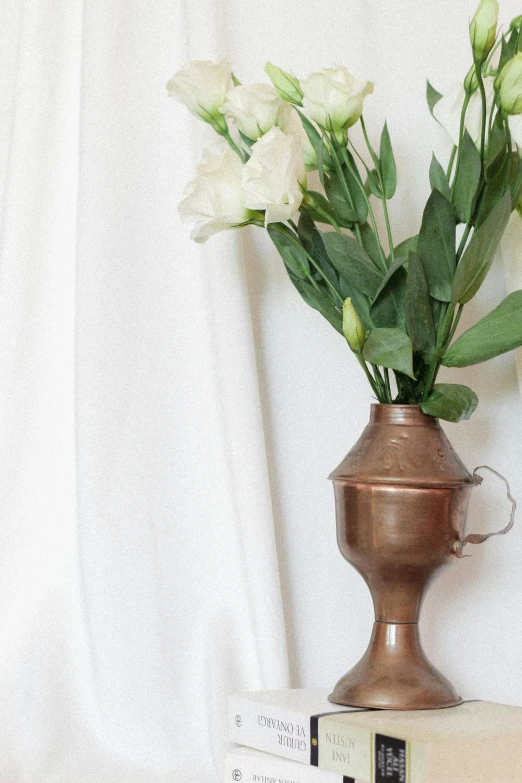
394 674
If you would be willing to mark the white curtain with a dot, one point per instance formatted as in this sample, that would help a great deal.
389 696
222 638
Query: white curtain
168 413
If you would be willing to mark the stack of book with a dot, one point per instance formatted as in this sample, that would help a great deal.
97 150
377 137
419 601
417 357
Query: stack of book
298 736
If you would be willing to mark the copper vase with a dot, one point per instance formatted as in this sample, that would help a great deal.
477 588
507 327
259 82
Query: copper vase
401 497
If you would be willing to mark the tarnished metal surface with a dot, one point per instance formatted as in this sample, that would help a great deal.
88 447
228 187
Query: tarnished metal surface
401 498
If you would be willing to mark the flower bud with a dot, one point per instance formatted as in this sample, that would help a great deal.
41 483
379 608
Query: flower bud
483 29
509 85
471 81
286 85
352 327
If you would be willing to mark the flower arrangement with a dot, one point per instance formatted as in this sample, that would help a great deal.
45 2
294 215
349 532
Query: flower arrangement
397 305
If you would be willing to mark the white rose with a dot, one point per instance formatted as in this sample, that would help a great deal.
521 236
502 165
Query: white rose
273 176
255 108
334 99
294 126
202 86
214 200
447 111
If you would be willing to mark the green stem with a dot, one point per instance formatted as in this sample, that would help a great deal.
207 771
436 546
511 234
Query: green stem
377 164
461 136
450 163
345 187
453 328
387 385
287 233
355 175
437 354
463 241
368 374
234 146
478 72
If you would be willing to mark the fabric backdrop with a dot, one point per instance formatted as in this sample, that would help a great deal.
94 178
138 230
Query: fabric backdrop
169 412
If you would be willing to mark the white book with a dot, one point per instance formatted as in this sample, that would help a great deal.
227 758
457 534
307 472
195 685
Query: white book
476 742
254 766
279 722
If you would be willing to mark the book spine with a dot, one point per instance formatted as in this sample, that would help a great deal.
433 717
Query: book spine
253 766
328 742
356 751
273 729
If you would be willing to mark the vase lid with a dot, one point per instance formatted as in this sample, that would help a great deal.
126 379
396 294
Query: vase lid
401 445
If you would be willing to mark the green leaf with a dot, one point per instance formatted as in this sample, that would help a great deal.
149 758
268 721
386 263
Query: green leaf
419 317
438 178
467 179
387 162
313 244
371 244
496 333
319 301
450 401
407 246
432 97
493 192
321 202
479 254
373 184
352 262
390 348
290 250
497 149
337 198
355 187
436 245
317 142
387 309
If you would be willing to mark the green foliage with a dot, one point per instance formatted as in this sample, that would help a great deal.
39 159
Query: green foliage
479 254
436 245
352 262
418 308
451 402
390 348
387 161
438 178
467 179
319 301
496 333
432 97
294 256
387 309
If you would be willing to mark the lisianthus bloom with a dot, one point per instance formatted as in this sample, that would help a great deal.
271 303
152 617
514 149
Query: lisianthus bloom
202 86
214 199
255 108
334 99
509 85
273 176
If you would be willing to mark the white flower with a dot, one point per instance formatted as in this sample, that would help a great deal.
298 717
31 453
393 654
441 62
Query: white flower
334 99
214 200
202 86
447 111
273 175
255 108
483 28
294 126
510 85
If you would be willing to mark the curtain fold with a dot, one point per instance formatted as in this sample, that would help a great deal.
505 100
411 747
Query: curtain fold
139 580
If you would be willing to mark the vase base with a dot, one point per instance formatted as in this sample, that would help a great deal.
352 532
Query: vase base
394 674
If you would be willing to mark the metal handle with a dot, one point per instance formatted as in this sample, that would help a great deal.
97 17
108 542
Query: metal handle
479 538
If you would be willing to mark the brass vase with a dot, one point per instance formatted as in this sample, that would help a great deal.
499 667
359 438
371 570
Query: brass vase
401 497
